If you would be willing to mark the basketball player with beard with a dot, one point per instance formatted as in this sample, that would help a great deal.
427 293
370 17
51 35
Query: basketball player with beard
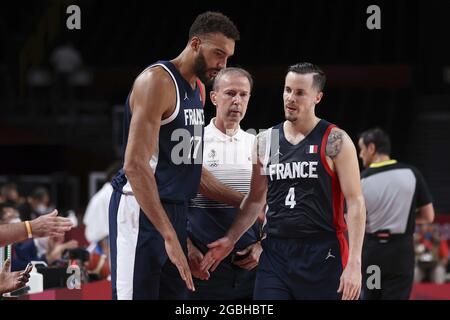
162 165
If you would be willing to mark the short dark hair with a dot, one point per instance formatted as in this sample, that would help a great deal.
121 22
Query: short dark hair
225 71
379 138
214 22
39 193
5 189
319 77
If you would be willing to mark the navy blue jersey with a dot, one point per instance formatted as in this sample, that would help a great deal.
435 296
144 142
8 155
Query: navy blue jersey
304 195
177 160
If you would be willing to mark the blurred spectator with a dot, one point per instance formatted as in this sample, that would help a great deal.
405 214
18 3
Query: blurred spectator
8 214
96 219
10 194
49 250
37 204
66 59
432 254
52 248
69 70
445 230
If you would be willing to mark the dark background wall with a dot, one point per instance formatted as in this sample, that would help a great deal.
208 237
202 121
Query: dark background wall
394 77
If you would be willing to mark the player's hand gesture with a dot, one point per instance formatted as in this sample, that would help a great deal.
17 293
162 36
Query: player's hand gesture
176 255
50 225
218 250
251 254
195 258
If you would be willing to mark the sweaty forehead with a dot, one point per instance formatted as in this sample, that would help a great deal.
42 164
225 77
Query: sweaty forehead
220 41
299 81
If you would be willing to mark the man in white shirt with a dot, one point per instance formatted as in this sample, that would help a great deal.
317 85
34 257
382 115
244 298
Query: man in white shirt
96 217
227 155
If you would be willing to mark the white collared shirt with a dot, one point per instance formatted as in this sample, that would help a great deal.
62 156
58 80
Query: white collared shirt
229 159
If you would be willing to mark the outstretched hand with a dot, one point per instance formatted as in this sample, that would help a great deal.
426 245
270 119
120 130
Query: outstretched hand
218 250
50 225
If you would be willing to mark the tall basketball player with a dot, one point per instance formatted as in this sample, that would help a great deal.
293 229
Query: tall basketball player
162 165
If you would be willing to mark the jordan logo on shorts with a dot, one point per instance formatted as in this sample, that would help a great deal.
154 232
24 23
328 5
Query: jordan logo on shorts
329 255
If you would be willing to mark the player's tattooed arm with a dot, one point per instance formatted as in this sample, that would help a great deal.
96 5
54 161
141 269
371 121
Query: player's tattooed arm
334 143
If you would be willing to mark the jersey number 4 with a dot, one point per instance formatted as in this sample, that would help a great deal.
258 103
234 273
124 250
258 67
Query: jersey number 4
290 198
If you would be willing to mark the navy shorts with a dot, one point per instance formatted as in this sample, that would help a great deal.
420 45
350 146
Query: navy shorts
140 267
301 269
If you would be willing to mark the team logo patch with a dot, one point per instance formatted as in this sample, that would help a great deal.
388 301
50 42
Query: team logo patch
329 255
211 161
312 149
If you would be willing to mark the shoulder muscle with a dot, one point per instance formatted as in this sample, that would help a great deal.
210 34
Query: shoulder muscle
153 93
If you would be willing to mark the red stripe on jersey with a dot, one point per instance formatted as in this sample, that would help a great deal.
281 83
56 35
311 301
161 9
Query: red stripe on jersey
200 87
337 200
338 217
344 248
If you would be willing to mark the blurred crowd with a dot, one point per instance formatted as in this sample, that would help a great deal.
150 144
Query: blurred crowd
53 254
431 242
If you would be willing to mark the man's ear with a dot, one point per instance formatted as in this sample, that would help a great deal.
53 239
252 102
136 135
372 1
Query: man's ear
195 43
319 97
213 97
371 148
